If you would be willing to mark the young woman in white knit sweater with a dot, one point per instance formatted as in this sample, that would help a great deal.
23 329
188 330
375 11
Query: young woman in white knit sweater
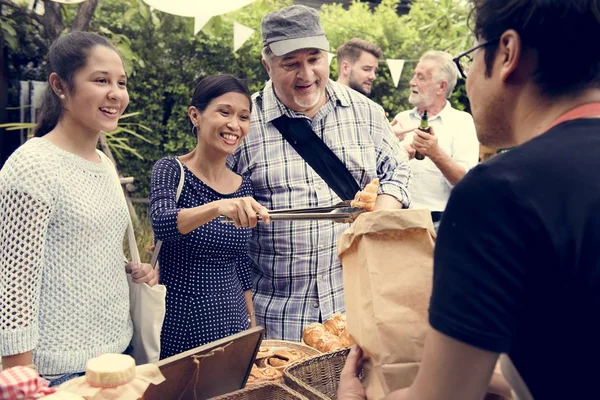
63 285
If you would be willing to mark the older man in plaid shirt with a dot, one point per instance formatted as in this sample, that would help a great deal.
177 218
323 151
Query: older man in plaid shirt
298 276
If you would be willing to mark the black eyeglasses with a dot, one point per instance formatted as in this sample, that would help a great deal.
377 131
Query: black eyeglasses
464 60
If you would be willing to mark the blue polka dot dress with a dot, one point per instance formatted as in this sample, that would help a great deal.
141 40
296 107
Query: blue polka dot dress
205 271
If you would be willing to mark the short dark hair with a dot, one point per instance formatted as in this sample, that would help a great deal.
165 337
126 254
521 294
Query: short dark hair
66 56
352 50
554 30
213 86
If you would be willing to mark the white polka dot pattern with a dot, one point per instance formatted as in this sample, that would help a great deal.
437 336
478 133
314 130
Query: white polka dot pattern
205 271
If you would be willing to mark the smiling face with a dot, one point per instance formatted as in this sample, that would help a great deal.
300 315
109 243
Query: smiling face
299 79
362 73
224 123
99 93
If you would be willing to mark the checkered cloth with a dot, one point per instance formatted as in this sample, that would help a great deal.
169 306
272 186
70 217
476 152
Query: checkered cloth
22 383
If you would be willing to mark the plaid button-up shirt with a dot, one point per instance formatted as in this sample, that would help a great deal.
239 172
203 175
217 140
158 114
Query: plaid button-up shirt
297 272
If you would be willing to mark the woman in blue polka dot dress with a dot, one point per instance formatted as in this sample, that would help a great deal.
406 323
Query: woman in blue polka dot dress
204 263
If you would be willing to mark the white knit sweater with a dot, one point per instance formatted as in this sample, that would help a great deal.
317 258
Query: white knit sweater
63 286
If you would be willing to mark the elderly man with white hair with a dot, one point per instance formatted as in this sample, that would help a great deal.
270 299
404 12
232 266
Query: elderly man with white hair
450 148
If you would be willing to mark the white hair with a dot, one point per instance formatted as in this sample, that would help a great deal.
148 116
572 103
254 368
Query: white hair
267 54
444 70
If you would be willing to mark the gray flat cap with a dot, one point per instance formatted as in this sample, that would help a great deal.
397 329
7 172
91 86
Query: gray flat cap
293 28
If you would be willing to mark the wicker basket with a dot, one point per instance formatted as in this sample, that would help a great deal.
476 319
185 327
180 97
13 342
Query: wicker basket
317 378
263 391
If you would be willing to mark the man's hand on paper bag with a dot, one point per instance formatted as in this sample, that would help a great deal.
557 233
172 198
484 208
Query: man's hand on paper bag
350 386
142 273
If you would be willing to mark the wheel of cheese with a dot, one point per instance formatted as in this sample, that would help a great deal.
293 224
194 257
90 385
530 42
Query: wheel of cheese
110 370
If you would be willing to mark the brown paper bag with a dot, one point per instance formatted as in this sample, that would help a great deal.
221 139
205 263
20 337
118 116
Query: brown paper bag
387 259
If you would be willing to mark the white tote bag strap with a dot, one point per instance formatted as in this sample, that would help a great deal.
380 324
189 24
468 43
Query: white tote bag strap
133 250
158 244
135 254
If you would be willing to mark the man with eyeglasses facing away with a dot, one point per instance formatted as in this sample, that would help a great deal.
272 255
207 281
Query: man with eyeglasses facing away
517 258
450 148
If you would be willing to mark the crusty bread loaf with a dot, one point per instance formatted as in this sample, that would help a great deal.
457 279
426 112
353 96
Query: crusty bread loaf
345 338
336 323
367 197
312 333
329 342
330 336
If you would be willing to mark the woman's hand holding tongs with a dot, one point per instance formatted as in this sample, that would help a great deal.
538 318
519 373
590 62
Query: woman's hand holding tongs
243 211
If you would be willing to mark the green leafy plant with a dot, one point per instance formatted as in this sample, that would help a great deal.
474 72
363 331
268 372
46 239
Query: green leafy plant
118 142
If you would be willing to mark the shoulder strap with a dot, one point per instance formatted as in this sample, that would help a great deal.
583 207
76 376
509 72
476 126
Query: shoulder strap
300 135
158 243
132 243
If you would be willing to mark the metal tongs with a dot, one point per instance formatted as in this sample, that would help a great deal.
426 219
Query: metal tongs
340 212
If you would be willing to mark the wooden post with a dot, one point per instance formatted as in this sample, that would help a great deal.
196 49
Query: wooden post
106 150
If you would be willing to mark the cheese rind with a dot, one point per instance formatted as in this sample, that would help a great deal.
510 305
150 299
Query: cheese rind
110 370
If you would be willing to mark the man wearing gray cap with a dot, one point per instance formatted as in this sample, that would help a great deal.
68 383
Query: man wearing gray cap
312 143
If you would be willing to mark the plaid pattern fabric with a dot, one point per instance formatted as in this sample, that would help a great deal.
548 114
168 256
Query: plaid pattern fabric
22 383
297 273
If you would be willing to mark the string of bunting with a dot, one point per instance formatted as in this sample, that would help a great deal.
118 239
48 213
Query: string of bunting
203 10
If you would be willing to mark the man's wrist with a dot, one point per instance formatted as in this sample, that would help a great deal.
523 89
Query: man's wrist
438 156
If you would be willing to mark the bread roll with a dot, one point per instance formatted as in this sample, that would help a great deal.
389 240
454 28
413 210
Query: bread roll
264 352
329 342
270 374
345 338
263 374
336 324
372 187
255 375
312 333
283 358
367 197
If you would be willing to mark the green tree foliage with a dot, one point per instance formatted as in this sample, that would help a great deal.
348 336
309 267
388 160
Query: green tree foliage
430 25
164 58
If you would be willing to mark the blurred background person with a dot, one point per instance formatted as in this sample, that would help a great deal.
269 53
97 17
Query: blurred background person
358 62
450 148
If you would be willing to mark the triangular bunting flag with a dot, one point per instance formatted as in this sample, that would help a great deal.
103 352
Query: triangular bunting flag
330 55
241 34
200 21
396 67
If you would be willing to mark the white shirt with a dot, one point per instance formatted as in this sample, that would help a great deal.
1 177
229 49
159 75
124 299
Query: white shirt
457 138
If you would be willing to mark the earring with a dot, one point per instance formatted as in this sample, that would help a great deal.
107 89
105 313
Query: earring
62 96
194 134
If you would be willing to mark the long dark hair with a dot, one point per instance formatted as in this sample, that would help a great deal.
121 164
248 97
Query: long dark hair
213 86
67 54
